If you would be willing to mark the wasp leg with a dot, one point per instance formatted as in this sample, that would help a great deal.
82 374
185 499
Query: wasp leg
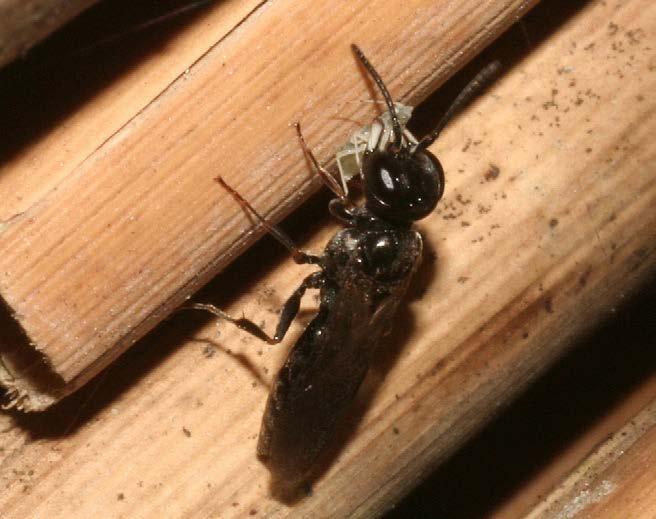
290 309
287 314
242 323
341 211
298 255
327 178
340 207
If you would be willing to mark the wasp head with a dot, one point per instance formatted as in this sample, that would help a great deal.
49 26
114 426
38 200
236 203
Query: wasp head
400 183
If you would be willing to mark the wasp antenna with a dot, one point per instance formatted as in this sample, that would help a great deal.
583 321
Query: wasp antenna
396 125
481 80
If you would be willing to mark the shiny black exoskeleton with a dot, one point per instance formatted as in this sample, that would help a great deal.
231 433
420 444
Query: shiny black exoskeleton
401 186
364 272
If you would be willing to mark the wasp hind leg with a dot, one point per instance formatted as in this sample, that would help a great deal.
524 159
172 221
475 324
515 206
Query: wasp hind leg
287 314
291 306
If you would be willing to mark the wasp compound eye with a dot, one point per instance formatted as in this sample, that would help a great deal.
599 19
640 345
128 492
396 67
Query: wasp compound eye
402 186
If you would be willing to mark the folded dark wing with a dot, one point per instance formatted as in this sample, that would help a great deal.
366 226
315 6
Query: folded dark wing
319 380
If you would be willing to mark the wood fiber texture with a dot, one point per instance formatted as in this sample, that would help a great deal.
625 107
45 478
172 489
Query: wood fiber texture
617 479
548 221
115 216
23 23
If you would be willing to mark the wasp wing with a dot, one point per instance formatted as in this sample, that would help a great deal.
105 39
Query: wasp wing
321 377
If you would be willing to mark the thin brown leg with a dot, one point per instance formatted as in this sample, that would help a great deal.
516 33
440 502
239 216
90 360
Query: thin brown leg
327 178
287 314
298 255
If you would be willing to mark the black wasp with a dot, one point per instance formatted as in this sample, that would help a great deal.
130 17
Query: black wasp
363 274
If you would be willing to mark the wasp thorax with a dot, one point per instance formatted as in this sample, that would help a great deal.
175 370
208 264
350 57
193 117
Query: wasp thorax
402 186
379 250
